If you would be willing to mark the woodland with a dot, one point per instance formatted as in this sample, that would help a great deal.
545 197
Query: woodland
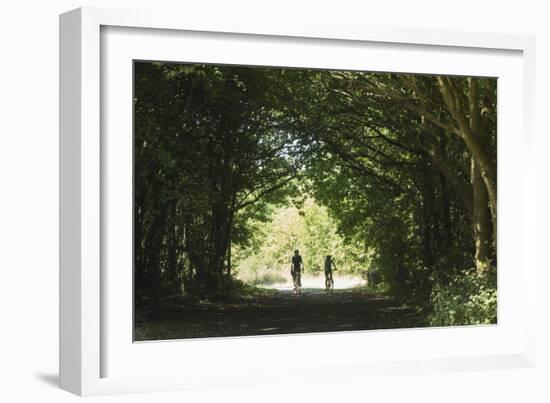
393 174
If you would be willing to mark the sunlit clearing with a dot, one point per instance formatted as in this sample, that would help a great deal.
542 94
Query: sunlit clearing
340 283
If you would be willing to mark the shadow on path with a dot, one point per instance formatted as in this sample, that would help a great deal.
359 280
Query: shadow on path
283 312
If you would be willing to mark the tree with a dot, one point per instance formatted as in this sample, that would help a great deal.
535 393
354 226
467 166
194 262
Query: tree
403 165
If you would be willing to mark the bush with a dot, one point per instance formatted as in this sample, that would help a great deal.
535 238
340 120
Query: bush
468 299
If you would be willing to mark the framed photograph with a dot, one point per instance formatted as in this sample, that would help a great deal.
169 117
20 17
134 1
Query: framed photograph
243 201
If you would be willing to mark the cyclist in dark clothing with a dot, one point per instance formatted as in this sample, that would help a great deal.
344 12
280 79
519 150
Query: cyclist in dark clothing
329 281
296 271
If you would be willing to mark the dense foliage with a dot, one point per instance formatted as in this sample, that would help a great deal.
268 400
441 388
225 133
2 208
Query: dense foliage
469 299
394 174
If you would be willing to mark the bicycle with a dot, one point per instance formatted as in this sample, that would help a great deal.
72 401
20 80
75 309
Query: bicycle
297 280
329 283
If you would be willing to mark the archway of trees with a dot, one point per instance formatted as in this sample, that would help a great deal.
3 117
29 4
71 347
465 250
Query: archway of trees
405 166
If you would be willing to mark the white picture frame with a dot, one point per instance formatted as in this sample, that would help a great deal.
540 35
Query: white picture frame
87 343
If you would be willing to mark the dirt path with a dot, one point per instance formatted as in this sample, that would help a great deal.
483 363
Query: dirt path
279 313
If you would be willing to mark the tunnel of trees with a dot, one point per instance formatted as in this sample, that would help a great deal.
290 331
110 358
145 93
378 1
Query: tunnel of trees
404 165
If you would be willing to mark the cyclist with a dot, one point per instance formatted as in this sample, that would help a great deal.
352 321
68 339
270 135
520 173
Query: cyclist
329 281
296 271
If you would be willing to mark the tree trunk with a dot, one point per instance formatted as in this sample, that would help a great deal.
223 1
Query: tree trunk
482 224
469 132
153 262
172 254
229 259
428 209
460 185
139 269
447 229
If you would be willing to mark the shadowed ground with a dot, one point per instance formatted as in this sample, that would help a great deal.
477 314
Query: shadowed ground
280 312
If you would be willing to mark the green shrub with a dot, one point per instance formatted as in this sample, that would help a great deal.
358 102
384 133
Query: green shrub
468 299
